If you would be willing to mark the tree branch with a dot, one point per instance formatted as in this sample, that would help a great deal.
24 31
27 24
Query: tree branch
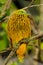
32 38
25 8
9 56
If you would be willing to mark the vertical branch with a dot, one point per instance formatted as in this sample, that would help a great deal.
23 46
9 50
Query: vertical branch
41 28
41 16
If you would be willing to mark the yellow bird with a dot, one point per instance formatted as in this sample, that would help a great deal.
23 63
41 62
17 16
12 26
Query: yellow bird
19 27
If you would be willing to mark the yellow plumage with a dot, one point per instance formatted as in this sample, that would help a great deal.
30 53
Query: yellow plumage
18 27
21 51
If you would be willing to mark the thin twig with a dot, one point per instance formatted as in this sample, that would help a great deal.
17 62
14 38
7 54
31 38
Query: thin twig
9 56
5 50
32 6
32 38
4 19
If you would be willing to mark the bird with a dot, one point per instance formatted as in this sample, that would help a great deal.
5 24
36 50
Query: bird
18 28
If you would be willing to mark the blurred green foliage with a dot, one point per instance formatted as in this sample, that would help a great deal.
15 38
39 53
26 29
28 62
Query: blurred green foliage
1 4
14 63
4 43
